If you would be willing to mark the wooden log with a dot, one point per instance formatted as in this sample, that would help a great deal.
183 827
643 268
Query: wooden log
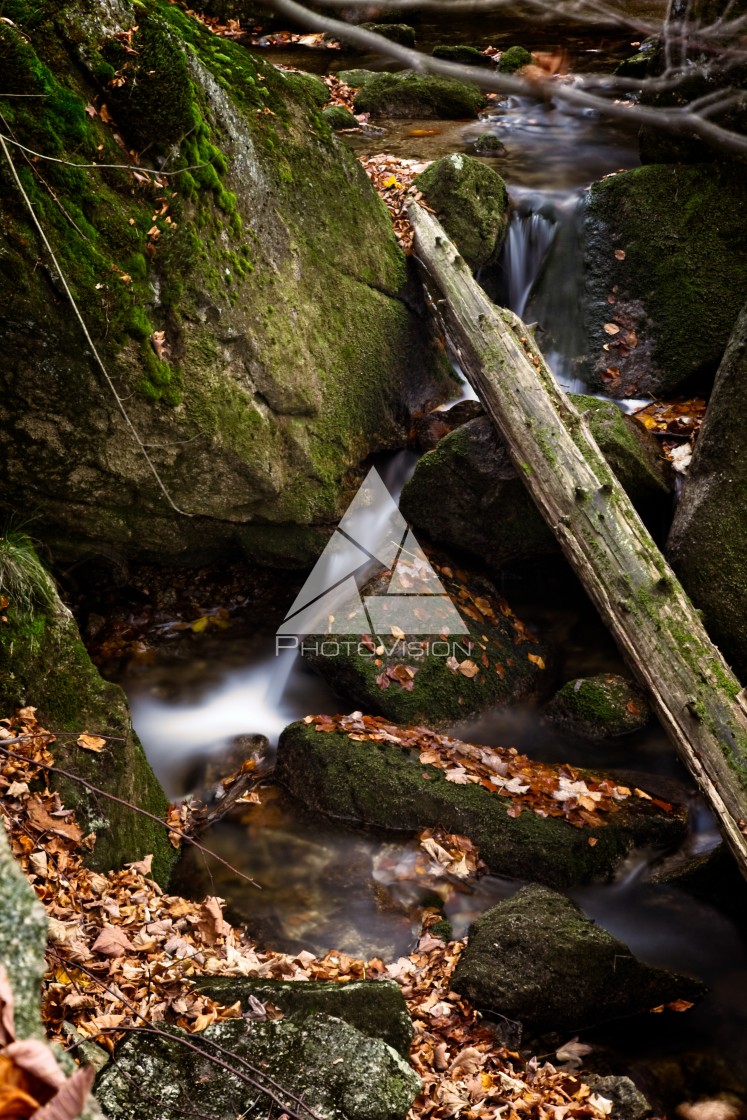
697 697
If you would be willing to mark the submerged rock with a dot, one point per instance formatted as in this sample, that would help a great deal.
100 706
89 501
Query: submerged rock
43 662
384 785
466 494
706 543
470 200
419 96
536 958
340 1073
665 276
377 1008
600 707
256 327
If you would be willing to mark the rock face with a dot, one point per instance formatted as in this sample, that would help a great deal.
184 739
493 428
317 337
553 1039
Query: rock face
668 246
470 200
418 96
706 543
341 1073
376 1008
600 707
383 786
536 958
23 941
43 662
254 326
466 495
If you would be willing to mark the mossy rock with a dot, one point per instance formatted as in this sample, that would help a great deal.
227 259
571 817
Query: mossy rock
600 707
381 786
400 33
471 201
461 53
340 1073
537 959
638 65
507 661
375 1008
44 663
23 942
513 59
419 96
488 144
706 542
339 118
668 244
466 494
357 78
278 284
310 86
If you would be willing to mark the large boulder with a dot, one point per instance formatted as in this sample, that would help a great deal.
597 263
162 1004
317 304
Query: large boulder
706 543
23 941
537 959
247 310
376 1008
466 495
470 200
665 273
381 783
340 1073
44 663
419 96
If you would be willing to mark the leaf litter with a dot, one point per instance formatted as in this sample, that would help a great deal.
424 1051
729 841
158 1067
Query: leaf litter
121 950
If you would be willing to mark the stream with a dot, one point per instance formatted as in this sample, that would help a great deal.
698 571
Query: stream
324 887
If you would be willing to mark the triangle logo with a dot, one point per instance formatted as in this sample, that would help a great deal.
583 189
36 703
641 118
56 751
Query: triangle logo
373 534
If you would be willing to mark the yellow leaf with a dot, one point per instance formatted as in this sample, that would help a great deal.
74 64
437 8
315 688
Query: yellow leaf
536 660
91 742
200 624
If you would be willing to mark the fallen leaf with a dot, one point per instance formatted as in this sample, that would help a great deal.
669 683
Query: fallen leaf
112 942
91 742
611 328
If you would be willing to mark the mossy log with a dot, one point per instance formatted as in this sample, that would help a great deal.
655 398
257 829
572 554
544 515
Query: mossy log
695 693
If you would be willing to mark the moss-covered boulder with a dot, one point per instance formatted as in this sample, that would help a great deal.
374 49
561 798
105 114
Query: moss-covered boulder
248 309
384 785
665 253
599 707
44 663
488 144
419 96
401 33
338 1072
376 1008
461 53
470 200
537 959
409 677
514 59
339 118
706 543
466 494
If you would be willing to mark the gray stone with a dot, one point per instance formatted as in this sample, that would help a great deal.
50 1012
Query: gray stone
470 200
537 959
340 1073
599 707
418 96
628 1101
23 941
376 1008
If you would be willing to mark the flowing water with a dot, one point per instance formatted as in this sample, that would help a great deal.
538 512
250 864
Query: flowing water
325 887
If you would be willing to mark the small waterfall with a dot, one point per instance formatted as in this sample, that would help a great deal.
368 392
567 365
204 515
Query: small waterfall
530 235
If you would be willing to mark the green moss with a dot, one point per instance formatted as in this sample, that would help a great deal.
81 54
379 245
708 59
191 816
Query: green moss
401 33
380 786
513 59
461 53
418 95
338 118
471 201
599 707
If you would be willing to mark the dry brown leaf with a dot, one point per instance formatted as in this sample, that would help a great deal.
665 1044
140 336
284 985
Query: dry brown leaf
91 742
112 942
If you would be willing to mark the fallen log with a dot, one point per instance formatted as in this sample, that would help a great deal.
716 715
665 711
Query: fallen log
697 697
